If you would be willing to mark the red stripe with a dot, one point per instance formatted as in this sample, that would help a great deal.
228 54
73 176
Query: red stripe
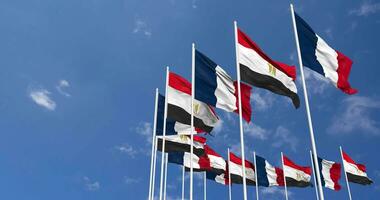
349 159
210 151
199 139
291 164
280 176
244 40
238 161
204 163
245 100
335 175
179 83
344 68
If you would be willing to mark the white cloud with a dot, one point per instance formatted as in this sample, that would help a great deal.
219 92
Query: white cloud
41 97
329 33
194 4
262 100
274 190
256 131
283 137
91 185
145 129
366 8
142 28
356 115
218 127
316 83
62 84
127 149
129 180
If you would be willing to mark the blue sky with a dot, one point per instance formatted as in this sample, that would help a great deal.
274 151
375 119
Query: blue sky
77 88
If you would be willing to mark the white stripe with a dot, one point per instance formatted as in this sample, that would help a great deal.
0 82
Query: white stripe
220 179
182 139
238 170
328 58
353 169
225 98
256 63
271 174
186 161
296 174
201 111
183 129
326 167
217 162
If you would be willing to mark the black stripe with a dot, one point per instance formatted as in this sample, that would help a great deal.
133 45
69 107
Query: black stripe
171 146
362 180
239 180
290 182
267 82
180 115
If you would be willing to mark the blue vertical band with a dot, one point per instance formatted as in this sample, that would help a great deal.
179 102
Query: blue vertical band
205 79
262 177
176 157
160 119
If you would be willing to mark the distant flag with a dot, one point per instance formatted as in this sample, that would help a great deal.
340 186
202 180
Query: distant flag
356 173
236 170
217 162
182 143
179 105
215 87
258 69
321 58
267 175
219 178
330 173
200 163
296 175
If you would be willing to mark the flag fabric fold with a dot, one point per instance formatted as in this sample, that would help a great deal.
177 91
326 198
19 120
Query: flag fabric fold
330 171
182 143
217 162
268 175
258 69
219 178
200 163
296 175
236 170
320 57
356 173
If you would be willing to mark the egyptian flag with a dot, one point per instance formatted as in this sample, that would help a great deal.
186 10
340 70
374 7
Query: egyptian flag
182 143
219 178
217 162
321 58
236 170
267 175
215 87
258 69
330 173
356 173
179 105
295 175
200 163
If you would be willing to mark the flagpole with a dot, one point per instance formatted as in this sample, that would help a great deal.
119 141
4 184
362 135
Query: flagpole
164 133
183 182
204 186
314 148
229 176
345 174
166 174
192 117
283 168
256 178
240 112
315 180
154 167
153 145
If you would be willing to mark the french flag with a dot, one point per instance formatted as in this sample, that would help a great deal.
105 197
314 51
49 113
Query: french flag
330 171
267 175
356 173
320 57
215 87
296 175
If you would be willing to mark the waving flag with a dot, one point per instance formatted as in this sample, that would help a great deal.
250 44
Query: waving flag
179 105
267 175
182 143
330 173
217 162
215 87
219 178
200 163
295 175
321 58
356 173
259 70
236 170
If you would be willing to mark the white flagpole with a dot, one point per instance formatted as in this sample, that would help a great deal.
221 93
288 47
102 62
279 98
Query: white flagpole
164 133
314 148
183 182
256 178
192 117
151 185
154 167
166 174
240 112
315 180
204 186
229 176
345 174
283 168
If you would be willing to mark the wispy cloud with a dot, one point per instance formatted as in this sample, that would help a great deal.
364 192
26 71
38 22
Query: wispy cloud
91 185
355 114
194 4
329 32
316 83
142 28
274 191
283 136
366 8
262 100
62 85
256 131
127 149
42 98
130 180
145 129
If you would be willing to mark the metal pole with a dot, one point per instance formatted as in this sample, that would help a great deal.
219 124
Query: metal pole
154 167
183 182
192 117
314 148
204 186
229 176
283 167
152 159
164 133
256 178
315 180
345 173
240 112
166 174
